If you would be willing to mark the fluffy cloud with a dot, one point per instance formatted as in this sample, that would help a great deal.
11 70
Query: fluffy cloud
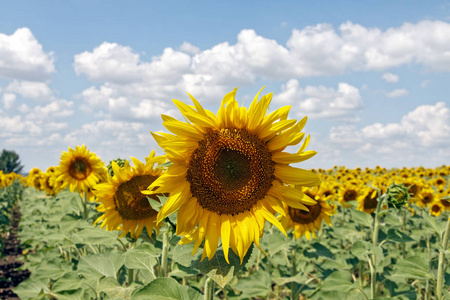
322 102
389 77
419 136
22 57
32 90
397 93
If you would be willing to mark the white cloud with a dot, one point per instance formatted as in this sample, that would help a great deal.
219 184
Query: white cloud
22 57
418 138
189 48
425 83
8 100
31 90
322 102
389 77
397 93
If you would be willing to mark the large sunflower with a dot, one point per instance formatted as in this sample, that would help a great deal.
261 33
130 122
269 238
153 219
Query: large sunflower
80 169
306 223
124 206
230 171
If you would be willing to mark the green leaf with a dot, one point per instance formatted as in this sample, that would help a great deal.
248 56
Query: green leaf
217 268
275 242
339 280
362 250
361 218
70 295
398 236
111 287
257 284
319 250
70 281
99 265
95 236
166 289
50 269
414 267
143 256
30 289
433 225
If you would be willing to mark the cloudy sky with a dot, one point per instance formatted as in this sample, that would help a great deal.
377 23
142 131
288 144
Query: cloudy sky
373 77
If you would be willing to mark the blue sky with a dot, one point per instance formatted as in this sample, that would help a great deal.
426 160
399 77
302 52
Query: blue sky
372 76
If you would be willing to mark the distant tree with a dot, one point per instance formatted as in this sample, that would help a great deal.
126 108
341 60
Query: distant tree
9 162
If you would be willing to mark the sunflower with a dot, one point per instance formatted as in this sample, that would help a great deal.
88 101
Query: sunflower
230 172
349 192
80 169
306 223
436 208
425 197
124 206
368 200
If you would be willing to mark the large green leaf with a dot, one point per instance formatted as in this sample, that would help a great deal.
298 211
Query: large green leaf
70 281
397 236
217 268
361 218
143 256
166 289
95 236
258 284
362 250
111 287
100 265
414 267
30 289
339 281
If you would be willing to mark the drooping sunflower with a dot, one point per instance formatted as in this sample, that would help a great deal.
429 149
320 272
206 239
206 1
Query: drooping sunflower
306 223
125 207
230 172
80 169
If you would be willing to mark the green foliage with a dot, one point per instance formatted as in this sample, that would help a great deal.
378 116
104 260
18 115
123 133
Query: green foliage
10 162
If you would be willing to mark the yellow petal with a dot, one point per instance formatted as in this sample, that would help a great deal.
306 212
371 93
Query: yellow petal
297 176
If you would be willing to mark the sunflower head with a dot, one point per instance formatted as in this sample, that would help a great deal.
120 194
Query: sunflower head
80 169
230 172
124 206
307 222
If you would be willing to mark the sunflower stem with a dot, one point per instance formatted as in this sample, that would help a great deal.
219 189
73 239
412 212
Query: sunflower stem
165 251
293 272
441 261
84 202
376 225
209 289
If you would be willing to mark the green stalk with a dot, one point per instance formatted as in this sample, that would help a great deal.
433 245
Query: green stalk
293 272
209 289
165 251
84 202
373 272
441 262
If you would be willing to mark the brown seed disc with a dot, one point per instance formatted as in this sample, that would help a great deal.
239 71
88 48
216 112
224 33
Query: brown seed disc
370 202
350 195
305 217
230 171
130 202
80 168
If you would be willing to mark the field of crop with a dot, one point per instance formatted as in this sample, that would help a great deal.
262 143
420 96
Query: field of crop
393 252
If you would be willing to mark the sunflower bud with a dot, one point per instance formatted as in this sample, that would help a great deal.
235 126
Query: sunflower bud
119 161
397 195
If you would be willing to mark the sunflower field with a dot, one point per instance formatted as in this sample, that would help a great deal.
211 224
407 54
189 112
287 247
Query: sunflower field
227 212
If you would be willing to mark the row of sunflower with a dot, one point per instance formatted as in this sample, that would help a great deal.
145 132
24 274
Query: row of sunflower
230 171
224 175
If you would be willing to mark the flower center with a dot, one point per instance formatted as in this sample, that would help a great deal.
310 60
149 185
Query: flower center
435 208
305 217
230 171
130 202
350 195
80 168
371 200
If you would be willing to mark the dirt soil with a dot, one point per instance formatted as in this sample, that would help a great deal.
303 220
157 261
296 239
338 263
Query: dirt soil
9 276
